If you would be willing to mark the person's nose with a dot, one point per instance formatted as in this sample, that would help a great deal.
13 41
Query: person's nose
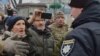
22 26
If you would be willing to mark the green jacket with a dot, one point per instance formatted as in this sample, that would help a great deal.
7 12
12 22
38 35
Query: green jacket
44 42
59 34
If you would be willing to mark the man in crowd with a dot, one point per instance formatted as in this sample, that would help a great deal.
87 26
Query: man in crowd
41 35
59 30
9 10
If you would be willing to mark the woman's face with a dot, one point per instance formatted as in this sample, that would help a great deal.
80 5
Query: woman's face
19 28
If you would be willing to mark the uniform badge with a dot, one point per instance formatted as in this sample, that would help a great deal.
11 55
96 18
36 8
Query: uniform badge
67 46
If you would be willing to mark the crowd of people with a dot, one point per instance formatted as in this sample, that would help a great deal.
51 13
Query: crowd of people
35 36
31 36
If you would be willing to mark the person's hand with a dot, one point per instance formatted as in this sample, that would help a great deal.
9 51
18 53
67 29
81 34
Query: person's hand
16 47
13 45
37 12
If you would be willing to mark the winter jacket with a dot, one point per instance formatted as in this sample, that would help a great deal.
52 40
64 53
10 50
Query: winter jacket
84 39
43 42
26 39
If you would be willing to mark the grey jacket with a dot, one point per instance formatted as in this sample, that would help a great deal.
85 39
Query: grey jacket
27 39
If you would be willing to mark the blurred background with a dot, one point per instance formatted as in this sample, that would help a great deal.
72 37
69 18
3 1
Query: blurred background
25 7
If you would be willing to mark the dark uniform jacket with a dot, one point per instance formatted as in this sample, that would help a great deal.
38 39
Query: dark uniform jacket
43 41
84 40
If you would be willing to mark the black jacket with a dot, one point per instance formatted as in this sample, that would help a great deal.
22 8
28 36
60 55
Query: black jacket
10 12
84 40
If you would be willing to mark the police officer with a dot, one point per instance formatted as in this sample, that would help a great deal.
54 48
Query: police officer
84 39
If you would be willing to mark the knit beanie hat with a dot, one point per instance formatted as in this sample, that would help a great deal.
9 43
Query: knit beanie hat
79 3
59 14
11 21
